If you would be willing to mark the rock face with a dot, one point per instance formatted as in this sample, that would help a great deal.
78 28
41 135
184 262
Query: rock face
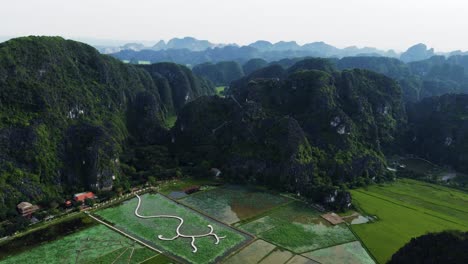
249 145
253 65
262 45
66 113
221 73
307 132
189 43
89 157
390 67
320 64
433 76
438 130
177 84
416 53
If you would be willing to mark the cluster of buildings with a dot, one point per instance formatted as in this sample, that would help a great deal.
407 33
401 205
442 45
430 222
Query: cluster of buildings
81 197
27 209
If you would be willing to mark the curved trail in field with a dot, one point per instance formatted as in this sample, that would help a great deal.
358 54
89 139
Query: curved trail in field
181 220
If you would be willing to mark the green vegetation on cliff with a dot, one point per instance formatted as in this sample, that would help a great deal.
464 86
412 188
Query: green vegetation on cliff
67 113
221 73
309 131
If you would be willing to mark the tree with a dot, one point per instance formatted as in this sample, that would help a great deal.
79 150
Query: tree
152 181
446 247
89 202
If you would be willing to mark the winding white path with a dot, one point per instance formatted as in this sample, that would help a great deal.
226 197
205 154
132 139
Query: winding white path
181 220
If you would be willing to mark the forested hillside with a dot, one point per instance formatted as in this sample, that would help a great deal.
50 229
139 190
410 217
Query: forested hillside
67 112
308 131
72 120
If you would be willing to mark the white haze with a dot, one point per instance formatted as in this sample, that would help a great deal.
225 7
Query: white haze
385 24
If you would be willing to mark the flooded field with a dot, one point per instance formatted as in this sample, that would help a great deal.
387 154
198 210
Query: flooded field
356 219
298 228
298 259
426 170
278 256
232 204
349 253
177 195
420 165
253 253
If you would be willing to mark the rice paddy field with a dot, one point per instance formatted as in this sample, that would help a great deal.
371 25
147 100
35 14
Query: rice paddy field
283 230
123 218
253 253
96 244
231 204
220 90
298 228
348 253
285 227
407 209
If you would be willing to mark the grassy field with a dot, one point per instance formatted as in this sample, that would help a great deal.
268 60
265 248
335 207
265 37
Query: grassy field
407 209
170 121
123 217
298 228
220 90
96 244
231 204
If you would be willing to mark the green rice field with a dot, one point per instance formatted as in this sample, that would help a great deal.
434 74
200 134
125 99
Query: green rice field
123 218
407 209
232 204
220 90
96 244
298 228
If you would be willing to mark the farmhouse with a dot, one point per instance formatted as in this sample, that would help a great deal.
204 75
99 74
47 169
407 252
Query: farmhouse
80 197
26 209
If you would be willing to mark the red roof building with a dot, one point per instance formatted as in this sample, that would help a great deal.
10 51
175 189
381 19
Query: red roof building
80 197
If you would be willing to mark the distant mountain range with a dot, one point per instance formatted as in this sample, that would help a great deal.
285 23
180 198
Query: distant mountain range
191 51
189 43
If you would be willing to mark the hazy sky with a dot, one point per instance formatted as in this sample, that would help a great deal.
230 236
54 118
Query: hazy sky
384 24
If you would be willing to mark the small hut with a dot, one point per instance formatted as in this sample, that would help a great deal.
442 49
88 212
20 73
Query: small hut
26 209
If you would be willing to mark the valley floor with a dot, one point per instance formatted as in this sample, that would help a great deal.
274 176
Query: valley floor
259 226
406 209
